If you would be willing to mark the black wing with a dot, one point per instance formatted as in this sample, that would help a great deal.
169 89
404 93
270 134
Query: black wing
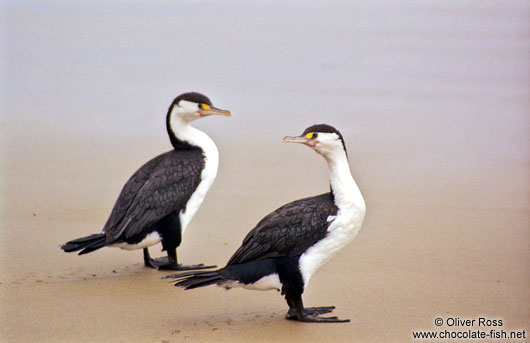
289 230
161 186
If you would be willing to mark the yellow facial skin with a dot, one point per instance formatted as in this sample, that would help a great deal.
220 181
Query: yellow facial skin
309 139
208 110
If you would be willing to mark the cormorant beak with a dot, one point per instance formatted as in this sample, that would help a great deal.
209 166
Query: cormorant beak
300 139
213 111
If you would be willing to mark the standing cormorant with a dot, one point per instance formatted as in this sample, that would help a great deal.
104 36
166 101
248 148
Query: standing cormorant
290 244
159 200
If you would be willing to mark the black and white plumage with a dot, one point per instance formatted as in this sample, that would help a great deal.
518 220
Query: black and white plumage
159 200
287 246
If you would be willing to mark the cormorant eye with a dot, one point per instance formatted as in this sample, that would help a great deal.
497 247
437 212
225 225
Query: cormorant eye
315 135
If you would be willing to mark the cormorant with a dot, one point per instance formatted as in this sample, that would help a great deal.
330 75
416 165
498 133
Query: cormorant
291 243
159 200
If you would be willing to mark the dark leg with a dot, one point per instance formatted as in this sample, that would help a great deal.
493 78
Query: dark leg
310 314
148 261
171 263
311 311
156 263
170 230
315 311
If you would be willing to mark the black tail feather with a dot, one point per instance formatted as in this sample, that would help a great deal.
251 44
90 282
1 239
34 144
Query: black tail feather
88 244
191 280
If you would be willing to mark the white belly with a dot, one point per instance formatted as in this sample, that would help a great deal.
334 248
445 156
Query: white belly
266 283
151 239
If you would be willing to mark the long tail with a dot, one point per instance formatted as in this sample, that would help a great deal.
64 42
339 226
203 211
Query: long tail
88 244
191 280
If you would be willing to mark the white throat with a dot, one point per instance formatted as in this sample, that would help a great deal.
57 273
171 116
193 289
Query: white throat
183 130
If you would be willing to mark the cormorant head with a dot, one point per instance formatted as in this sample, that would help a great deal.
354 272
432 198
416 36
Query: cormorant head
192 105
324 139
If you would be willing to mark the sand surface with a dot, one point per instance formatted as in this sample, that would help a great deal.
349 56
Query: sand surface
433 102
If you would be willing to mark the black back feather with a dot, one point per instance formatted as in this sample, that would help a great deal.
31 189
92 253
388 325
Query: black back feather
160 187
288 231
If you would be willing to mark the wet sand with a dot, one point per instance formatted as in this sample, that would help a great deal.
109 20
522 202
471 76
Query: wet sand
443 165
422 253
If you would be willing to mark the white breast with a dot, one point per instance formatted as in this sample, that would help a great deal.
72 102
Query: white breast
341 231
211 155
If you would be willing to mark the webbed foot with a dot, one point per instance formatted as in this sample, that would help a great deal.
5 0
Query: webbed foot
182 267
170 262
297 311
315 311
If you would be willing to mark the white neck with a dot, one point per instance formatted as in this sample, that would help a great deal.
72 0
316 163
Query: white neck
185 132
344 187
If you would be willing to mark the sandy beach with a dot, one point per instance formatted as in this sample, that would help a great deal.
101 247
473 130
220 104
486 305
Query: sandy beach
433 102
